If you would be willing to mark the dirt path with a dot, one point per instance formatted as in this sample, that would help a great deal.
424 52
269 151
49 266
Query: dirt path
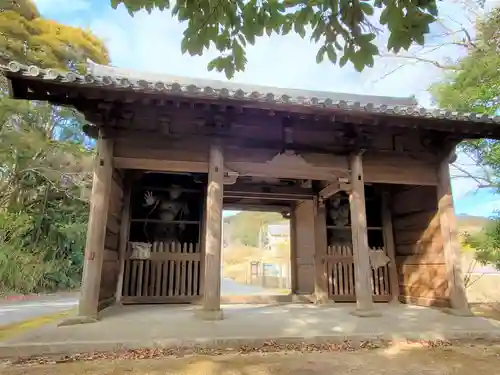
407 359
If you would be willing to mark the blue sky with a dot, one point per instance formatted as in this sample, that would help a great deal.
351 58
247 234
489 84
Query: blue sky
151 42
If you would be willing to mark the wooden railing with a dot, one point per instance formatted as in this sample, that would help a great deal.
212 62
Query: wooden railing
170 272
339 269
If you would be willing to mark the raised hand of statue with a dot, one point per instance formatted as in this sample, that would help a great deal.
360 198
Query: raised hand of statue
149 199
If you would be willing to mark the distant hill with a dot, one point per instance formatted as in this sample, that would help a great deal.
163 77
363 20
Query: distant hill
244 226
471 224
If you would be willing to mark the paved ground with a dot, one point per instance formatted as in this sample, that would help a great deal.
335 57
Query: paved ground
232 288
18 311
172 326
397 360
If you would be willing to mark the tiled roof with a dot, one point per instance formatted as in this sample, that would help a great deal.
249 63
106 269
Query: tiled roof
109 77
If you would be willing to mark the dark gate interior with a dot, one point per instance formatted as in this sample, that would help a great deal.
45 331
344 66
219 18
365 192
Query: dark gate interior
163 260
339 265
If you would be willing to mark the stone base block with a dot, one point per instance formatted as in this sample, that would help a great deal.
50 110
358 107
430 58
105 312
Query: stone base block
458 312
77 320
322 299
366 313
211 315
395 302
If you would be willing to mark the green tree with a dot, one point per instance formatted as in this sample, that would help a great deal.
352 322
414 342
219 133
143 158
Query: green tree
45 163
474 86
343 28
27 37
246 225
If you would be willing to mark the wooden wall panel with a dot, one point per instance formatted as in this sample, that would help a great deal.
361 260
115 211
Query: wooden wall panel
397 168
418 244
304 247
110 266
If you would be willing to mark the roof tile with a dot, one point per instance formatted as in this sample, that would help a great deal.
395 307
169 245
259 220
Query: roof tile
108 76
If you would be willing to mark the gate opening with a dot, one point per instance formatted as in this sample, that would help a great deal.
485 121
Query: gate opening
256 256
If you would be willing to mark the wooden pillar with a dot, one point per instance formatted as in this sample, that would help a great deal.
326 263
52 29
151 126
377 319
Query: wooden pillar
451 244
361 251
389 245
96 229
320 282
293 251
124 236
211 309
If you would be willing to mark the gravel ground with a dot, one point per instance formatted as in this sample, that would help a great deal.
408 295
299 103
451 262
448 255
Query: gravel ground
396 359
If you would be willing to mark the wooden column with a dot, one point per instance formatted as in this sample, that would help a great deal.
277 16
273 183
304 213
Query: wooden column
211 309
320 282
361 255
451 244
96 229
293 251
389 245
124 235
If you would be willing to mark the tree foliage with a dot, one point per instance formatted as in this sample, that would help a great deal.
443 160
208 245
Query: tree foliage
45 163
246 225
474 86
342 28
26 36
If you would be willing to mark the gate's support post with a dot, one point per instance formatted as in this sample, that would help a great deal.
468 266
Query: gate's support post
124 236
451 245
211 309
88 306
361 251
320 282
389 245
293 252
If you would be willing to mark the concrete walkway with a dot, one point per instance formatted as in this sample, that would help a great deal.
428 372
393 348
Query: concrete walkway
171 326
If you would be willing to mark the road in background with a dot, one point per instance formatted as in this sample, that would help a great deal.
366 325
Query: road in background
19 311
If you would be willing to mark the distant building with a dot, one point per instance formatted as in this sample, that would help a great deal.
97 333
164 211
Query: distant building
277 234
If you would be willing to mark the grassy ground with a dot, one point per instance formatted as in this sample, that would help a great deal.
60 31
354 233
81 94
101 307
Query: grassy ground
402 359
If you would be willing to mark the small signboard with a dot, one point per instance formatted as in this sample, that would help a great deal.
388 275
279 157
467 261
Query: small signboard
140 250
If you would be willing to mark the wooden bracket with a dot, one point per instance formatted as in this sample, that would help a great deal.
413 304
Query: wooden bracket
341 184
329 190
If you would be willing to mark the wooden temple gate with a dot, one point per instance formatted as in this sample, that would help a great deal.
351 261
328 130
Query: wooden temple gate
312 141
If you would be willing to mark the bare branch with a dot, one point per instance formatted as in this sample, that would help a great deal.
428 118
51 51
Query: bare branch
421 59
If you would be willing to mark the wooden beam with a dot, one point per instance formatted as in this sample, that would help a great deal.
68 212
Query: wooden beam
211 309
389 244
96 229
243 168
267 189
124 236
256 207
161 165
451 244
361 251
